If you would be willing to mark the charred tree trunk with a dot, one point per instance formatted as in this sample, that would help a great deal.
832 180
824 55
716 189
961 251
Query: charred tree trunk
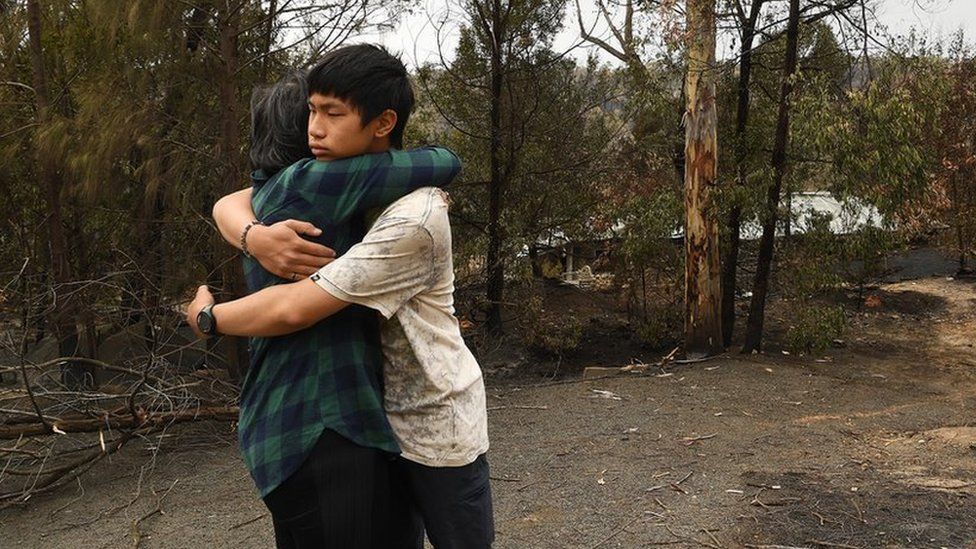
63 314
731 263
229 153
703 322
495 261
760 289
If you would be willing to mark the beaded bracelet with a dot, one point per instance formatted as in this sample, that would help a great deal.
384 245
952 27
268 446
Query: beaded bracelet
244 237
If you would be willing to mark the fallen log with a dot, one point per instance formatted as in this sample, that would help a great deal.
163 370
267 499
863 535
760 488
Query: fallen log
92 425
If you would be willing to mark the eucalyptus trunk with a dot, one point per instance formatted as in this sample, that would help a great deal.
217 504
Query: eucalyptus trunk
703 321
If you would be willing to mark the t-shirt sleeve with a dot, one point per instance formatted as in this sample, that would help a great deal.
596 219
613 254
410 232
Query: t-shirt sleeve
393 263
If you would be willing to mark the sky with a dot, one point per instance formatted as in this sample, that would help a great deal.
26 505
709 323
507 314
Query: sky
416 38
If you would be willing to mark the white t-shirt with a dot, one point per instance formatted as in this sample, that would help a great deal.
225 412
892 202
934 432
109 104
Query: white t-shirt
403 268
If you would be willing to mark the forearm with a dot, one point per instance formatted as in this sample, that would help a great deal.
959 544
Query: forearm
276 310
232 213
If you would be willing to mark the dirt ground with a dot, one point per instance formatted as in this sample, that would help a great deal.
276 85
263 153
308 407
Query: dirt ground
872 444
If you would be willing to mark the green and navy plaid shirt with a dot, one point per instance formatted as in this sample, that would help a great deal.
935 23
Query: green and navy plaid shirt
328 376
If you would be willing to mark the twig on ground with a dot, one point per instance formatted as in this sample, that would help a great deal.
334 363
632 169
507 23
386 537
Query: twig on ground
81 494
697 360
246 522
136 534
684 478
860 514
752 546
691 538
567 381
517 407
829 544
615 531
533 483
711 535
688 441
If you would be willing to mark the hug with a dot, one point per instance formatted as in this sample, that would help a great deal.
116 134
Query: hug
362 416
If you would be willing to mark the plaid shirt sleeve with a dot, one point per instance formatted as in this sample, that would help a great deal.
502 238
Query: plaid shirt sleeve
341 189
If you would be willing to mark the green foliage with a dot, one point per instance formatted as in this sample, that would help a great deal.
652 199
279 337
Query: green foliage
550 334
813 260
588 151
557 135
814 327
662 326
865 255
134 135
649 264
877 136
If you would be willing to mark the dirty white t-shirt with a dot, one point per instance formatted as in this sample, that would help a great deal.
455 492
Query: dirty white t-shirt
435 394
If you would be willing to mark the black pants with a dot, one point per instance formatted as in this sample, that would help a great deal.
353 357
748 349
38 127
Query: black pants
453 504
339 498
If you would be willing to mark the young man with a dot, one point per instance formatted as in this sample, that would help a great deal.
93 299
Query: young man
435 398
312 429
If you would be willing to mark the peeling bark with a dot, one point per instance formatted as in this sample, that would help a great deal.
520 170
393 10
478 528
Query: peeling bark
703 322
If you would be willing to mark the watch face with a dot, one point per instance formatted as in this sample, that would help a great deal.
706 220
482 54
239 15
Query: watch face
205 322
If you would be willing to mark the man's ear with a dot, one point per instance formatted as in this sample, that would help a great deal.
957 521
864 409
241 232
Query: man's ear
385 123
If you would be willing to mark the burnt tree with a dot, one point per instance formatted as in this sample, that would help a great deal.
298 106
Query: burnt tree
757 307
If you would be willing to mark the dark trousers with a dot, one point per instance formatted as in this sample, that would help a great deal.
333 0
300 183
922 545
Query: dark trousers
453 504
339 498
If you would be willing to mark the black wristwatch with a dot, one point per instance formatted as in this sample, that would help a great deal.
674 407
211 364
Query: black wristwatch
206 321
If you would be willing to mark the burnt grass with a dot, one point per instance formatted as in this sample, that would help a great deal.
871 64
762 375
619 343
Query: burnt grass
871 444
809 509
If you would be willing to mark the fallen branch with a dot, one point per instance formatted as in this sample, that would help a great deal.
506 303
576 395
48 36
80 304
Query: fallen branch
66 473
697 360
96 424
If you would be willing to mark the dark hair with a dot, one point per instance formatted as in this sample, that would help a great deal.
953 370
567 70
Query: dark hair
370 79
279 123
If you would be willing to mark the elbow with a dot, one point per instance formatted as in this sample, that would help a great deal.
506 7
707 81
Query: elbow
218 207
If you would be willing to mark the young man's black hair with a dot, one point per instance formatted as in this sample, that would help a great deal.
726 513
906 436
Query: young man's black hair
279 123
370 79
